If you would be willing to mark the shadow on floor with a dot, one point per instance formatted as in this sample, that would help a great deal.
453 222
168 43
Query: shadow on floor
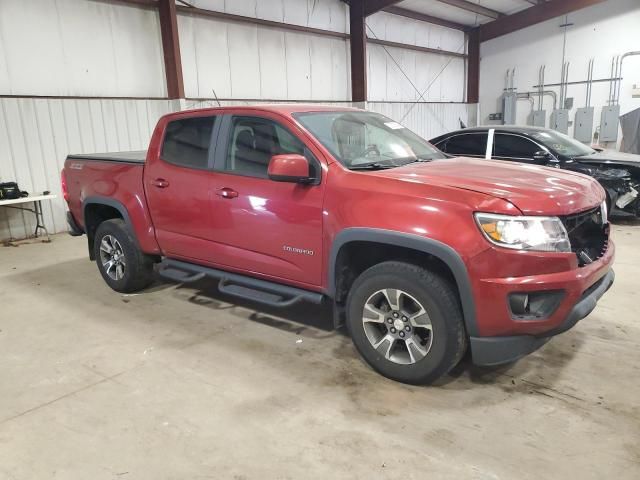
75 280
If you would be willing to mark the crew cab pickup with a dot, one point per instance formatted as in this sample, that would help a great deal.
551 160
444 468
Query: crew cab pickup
422 256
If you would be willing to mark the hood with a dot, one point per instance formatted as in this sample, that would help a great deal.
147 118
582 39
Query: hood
611 157
534 190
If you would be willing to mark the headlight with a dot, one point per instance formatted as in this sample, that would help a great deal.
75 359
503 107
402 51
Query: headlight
546 234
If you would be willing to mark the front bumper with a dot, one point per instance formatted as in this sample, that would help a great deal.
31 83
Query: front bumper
505 349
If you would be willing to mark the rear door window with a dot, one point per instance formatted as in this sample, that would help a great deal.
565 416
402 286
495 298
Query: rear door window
467 144
513 146
187 142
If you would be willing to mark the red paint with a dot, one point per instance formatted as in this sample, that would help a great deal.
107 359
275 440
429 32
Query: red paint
245 224
289 166
63 184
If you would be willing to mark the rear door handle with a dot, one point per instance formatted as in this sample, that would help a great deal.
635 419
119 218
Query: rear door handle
227 193
160 183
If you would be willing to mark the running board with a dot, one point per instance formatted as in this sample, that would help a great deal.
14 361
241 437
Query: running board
241 286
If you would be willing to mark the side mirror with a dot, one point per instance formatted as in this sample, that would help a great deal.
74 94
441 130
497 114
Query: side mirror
542 156
289 167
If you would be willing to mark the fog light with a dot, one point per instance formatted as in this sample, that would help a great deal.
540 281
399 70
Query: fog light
519 303
534 305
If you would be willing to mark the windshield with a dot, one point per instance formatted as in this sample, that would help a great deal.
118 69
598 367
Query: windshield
562 144
367 139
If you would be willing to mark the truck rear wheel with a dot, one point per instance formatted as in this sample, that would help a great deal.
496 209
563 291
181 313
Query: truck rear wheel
123 266
406 322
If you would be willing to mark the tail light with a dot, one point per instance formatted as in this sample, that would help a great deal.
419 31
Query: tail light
63 182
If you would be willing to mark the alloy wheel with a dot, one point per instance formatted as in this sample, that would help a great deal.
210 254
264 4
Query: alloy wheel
397 326
112 257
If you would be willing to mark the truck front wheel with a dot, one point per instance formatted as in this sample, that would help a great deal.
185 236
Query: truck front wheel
123 266
406 322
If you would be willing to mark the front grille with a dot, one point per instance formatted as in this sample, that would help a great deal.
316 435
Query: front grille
588 235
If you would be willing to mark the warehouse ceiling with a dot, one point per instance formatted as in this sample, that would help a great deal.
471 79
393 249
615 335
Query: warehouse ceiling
466 12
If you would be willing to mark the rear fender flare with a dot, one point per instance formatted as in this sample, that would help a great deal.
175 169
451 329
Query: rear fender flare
110 202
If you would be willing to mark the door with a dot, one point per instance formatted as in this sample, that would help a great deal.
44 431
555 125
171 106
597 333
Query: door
516 148
472 144
178 189
260 225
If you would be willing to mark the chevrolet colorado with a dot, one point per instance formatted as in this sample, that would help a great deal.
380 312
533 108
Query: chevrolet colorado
421 256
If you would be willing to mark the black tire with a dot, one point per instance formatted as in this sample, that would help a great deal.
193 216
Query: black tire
137 267
446 343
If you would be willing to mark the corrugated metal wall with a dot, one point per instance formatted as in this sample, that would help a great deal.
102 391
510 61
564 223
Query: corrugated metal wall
37 134
427 119
80 48
248 61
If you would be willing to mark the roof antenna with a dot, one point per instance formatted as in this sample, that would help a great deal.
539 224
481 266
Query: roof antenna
215 96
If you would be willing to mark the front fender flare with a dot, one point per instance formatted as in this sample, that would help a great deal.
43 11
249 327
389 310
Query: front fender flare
415 242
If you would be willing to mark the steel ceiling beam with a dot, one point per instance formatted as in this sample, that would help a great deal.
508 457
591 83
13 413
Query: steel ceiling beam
358 46
171 48
531 16
230 17
415 48
473 8
473 66
423 17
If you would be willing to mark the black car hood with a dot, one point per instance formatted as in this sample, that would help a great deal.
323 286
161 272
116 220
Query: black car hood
613 157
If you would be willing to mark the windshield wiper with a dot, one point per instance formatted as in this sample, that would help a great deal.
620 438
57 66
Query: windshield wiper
371 166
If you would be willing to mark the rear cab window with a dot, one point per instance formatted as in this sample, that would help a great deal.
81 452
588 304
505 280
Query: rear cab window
187 142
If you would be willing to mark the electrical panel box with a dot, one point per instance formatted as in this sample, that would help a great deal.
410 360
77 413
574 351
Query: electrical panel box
560 120
509 102
539 118
583 130
609 119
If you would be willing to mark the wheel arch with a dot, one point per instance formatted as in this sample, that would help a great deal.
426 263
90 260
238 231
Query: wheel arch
409 242
96 210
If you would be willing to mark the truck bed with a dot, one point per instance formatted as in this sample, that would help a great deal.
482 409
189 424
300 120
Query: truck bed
137 156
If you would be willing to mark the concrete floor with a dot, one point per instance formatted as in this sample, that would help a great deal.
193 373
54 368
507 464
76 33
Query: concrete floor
176 383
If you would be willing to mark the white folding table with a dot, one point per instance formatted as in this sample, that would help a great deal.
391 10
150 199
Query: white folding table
36 210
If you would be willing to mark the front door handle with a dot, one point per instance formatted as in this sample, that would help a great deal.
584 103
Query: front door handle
227 193
160 183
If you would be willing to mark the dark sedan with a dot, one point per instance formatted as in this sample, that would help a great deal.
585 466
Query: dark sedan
618 173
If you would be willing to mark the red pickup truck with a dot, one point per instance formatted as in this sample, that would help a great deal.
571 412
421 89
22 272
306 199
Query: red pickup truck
422 256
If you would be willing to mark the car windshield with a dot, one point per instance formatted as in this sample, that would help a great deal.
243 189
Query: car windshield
562 144
367 140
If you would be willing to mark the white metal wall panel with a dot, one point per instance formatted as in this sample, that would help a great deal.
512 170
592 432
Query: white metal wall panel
394 28
426 119
298 66
244 60
273 62
36 135
79 48
270 10
600 32
248 61
392 70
